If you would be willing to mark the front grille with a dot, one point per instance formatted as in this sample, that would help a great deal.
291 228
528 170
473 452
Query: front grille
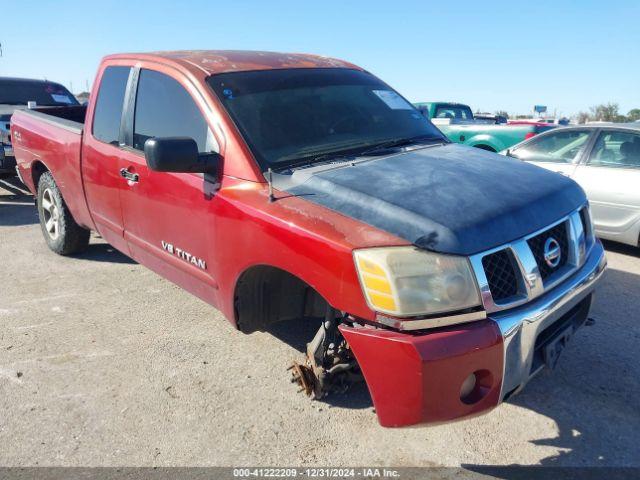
501 274
537 245
517 272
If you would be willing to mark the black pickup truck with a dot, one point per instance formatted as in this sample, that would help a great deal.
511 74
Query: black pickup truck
16 94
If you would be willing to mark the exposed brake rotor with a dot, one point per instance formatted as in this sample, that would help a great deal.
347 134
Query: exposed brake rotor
330 366
303 375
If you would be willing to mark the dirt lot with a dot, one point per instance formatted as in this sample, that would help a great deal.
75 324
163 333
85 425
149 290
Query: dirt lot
104 363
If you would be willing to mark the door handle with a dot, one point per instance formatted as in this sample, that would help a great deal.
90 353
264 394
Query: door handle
127 175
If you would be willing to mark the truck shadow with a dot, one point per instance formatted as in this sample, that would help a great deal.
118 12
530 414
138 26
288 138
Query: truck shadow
14 186
592 396
103 252
16 204
17 214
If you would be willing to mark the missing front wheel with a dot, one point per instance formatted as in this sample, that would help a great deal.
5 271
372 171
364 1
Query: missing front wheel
330 366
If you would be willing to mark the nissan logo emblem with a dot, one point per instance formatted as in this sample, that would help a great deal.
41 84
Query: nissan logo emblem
552 252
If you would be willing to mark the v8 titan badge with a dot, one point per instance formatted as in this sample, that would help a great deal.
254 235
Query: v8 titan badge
186 256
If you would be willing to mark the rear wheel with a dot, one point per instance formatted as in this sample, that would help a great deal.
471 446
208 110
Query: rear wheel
61 232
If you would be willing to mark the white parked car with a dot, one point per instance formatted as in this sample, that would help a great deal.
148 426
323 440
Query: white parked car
605 160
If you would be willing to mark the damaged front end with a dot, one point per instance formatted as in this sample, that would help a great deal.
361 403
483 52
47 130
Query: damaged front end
414 377
330 366
429 377
449 372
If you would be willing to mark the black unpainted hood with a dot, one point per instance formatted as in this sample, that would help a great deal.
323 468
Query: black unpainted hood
449 199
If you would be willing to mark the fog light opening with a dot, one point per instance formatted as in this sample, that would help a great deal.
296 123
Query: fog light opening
476 386
467 386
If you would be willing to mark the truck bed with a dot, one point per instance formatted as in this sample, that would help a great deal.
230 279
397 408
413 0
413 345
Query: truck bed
70 118
50 138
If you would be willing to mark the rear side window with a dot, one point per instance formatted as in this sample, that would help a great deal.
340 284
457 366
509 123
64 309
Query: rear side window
165 109
108 114
616 149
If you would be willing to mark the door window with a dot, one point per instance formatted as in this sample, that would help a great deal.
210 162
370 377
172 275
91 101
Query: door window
165 109
561 146
108 113
616 149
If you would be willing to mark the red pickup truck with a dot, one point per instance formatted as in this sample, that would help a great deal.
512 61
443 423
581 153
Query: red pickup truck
287 186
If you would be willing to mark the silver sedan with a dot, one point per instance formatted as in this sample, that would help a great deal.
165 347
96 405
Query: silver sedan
605 160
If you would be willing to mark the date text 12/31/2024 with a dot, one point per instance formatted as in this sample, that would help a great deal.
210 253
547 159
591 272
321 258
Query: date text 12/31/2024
315 473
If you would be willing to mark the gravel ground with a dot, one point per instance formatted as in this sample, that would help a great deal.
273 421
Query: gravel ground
103 363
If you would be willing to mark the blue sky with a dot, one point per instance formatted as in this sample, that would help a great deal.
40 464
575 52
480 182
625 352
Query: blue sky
506 55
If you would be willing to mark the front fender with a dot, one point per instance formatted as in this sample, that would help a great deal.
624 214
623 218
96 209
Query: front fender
304 239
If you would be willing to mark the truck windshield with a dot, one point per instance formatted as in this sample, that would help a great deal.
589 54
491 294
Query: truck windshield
46 94
293 116
455 112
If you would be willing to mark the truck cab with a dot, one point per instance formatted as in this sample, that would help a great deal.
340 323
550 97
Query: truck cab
455 112
296 187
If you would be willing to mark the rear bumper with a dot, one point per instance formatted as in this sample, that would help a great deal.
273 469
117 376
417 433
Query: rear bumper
417 378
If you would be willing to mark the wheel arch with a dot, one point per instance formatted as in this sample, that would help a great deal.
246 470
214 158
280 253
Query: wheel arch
38 167
485 141
265 294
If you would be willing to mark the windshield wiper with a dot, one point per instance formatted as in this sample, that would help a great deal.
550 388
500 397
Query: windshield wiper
398 142
311 160
353 151
320 156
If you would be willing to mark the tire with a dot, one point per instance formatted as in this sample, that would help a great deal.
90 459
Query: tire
61 232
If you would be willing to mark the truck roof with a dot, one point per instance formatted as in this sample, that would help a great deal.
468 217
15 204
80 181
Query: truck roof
441 103
222 61
27 80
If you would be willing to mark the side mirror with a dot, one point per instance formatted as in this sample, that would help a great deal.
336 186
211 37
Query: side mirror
179 154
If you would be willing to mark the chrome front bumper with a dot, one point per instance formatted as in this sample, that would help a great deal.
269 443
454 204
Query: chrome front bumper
521 326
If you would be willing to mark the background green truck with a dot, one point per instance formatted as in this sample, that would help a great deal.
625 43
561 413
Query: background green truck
457 122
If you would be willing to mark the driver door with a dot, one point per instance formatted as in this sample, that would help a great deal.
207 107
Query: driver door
168 217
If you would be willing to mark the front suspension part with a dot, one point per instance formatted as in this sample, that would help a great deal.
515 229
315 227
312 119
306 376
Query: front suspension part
330 366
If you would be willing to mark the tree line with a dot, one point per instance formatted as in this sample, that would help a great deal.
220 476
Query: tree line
607 112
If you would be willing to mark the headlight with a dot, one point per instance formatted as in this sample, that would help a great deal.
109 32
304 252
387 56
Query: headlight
406 281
